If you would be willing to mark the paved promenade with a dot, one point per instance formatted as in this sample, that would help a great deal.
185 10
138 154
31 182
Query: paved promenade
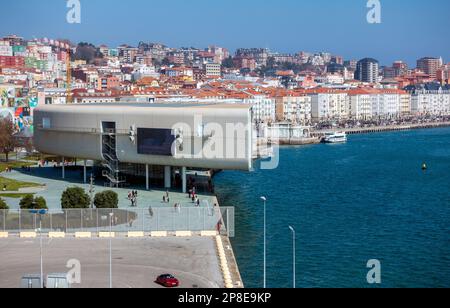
55 186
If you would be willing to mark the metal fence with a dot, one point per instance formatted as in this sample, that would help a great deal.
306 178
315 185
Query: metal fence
193 219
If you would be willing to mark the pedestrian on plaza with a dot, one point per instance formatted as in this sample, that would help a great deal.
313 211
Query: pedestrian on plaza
150 211
198 202
164 199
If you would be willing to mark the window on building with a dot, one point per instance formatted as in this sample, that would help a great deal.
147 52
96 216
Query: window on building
46 123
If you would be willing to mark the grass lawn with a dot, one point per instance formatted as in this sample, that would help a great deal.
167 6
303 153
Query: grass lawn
13 165
14 196
13 185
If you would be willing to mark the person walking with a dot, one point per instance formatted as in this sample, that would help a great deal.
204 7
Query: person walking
150 211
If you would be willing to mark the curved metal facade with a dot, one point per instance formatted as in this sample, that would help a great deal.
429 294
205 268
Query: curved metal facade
77 131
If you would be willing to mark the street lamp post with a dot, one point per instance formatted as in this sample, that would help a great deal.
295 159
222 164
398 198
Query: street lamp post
264 199
293 253
41 259
40 251
110 249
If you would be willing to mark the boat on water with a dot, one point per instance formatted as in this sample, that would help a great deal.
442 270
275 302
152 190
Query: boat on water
336 137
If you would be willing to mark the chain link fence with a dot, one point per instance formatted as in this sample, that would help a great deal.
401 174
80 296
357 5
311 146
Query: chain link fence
180 218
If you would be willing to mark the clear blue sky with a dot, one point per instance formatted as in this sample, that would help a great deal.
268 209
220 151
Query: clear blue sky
410 28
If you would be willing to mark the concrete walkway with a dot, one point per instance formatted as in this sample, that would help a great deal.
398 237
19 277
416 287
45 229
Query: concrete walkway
55 186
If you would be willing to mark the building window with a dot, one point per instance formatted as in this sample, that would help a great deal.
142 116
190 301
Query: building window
46 123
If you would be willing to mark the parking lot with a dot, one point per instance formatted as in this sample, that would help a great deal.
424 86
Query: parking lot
136 262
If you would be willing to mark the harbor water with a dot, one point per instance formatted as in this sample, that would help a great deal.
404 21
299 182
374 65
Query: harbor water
349 203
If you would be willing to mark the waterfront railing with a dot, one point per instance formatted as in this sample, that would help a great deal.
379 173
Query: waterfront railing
195 219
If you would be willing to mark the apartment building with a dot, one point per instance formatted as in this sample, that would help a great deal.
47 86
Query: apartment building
370 103
293 109
328 104
360 104
108 82
367 70
405 103
429 65
261 55
264 109
431 101
213 70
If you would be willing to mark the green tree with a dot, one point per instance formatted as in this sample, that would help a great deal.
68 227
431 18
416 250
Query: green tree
3 205
106 200
30 203
26 202
87 52
7 140
228 62
165 62
75 198
40 203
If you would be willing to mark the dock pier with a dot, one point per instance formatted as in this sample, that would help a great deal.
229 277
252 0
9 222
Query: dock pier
380 129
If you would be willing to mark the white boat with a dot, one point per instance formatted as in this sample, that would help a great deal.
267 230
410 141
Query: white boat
336 137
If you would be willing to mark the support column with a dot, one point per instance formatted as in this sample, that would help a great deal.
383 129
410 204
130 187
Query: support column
85 172
147 177
184 180
63 168
167 177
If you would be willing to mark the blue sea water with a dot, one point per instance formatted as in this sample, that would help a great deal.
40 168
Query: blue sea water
349 203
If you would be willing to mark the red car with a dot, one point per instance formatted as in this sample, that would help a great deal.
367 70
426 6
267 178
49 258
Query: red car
168 281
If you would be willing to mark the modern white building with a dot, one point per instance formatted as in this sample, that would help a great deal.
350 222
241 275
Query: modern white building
129 138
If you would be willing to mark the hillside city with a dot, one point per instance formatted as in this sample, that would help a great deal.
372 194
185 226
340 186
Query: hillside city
307 89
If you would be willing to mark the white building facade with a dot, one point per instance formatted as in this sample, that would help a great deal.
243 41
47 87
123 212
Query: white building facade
329 104
424 102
